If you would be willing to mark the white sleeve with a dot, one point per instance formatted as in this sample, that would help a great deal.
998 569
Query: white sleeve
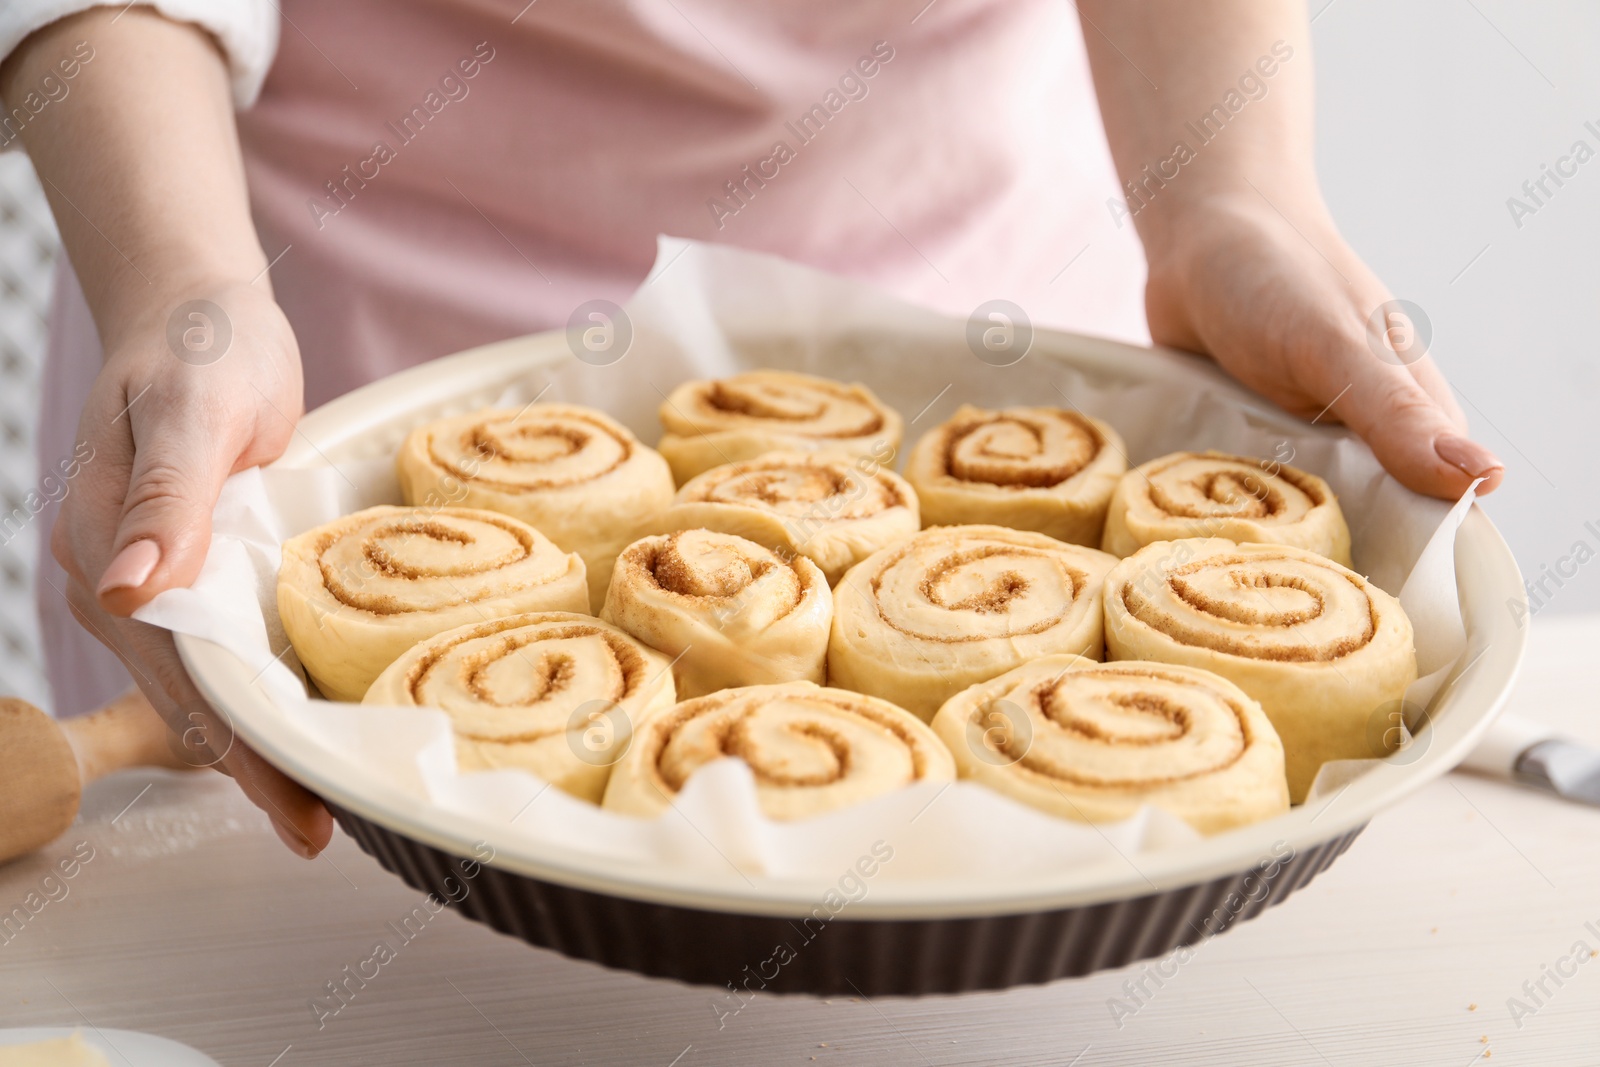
247 30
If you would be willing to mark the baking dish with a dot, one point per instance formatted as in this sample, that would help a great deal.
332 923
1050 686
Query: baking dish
903 937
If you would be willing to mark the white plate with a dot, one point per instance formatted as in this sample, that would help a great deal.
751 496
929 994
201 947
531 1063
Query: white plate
124 1048
372 422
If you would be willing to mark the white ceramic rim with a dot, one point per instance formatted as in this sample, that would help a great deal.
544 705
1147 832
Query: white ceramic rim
1487 576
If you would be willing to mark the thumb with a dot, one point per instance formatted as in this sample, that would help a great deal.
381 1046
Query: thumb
165 529
1412 435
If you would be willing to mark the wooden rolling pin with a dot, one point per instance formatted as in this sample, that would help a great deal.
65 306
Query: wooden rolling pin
47 763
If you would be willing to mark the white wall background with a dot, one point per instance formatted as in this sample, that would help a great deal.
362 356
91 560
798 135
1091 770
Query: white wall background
1432 114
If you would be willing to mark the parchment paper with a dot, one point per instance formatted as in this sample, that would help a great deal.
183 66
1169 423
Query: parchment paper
709 311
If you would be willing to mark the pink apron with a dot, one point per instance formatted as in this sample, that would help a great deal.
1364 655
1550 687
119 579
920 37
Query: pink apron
437 174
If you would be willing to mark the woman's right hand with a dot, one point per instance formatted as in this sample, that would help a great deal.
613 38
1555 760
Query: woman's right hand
142 167
194 388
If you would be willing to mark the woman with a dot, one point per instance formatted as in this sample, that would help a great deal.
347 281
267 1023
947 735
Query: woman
417 178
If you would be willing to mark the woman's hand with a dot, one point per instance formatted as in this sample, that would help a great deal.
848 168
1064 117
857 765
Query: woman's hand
1286 307
183 401
1208 111
141 164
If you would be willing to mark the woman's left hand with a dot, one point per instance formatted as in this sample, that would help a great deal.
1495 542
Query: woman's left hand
1290 310
1208 109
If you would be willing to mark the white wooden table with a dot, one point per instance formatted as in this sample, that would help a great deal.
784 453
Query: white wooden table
191 921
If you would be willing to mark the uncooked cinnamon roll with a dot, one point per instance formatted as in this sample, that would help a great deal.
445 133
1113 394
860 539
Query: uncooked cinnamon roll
1041 469
728 611
1321 648
574 473
356 593
1096 741
732 419
920 621
812 750
832 509
1211 494
555 693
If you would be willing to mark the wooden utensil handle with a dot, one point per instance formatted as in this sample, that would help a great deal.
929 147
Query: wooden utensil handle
125 733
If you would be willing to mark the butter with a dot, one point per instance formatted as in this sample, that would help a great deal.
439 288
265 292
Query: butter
71 1051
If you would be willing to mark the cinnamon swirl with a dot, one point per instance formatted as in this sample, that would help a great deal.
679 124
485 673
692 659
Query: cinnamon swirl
356 593
729 611
1029 468
574 473
1211 494
812 750
1095 741
834 510
555 693
1321 648
920 621
731 419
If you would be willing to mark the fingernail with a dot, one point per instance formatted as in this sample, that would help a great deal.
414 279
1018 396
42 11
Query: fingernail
131 568
1468 456
297 843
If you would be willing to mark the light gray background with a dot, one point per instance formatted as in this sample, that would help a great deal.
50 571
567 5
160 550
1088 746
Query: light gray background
1431 114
